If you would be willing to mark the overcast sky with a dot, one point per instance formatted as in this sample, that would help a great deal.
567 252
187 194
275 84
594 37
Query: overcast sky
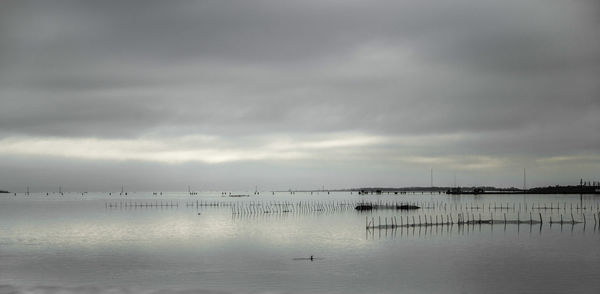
226 95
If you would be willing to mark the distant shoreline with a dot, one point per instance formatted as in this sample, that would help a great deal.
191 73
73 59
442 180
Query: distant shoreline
488 190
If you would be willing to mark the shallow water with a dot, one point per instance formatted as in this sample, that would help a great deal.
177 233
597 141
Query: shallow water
175 242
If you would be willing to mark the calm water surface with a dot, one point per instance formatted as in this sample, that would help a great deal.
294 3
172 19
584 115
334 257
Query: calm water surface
175 242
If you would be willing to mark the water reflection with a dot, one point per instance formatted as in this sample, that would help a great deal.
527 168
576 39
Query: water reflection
454 229
453 244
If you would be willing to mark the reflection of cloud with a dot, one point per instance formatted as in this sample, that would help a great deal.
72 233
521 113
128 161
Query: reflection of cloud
186 230
99 233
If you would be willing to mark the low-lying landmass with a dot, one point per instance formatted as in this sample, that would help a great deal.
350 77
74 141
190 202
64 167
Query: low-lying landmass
557 189
582 188
565 190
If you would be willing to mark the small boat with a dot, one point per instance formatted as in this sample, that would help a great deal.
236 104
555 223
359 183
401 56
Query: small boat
362 207
407 207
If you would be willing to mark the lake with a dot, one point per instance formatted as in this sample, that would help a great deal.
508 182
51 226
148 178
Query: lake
213 243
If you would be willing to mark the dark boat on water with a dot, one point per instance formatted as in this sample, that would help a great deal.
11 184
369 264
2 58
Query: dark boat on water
407 207
367 207
364 207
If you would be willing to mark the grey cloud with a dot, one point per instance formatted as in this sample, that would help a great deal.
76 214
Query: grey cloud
497 34
519 76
